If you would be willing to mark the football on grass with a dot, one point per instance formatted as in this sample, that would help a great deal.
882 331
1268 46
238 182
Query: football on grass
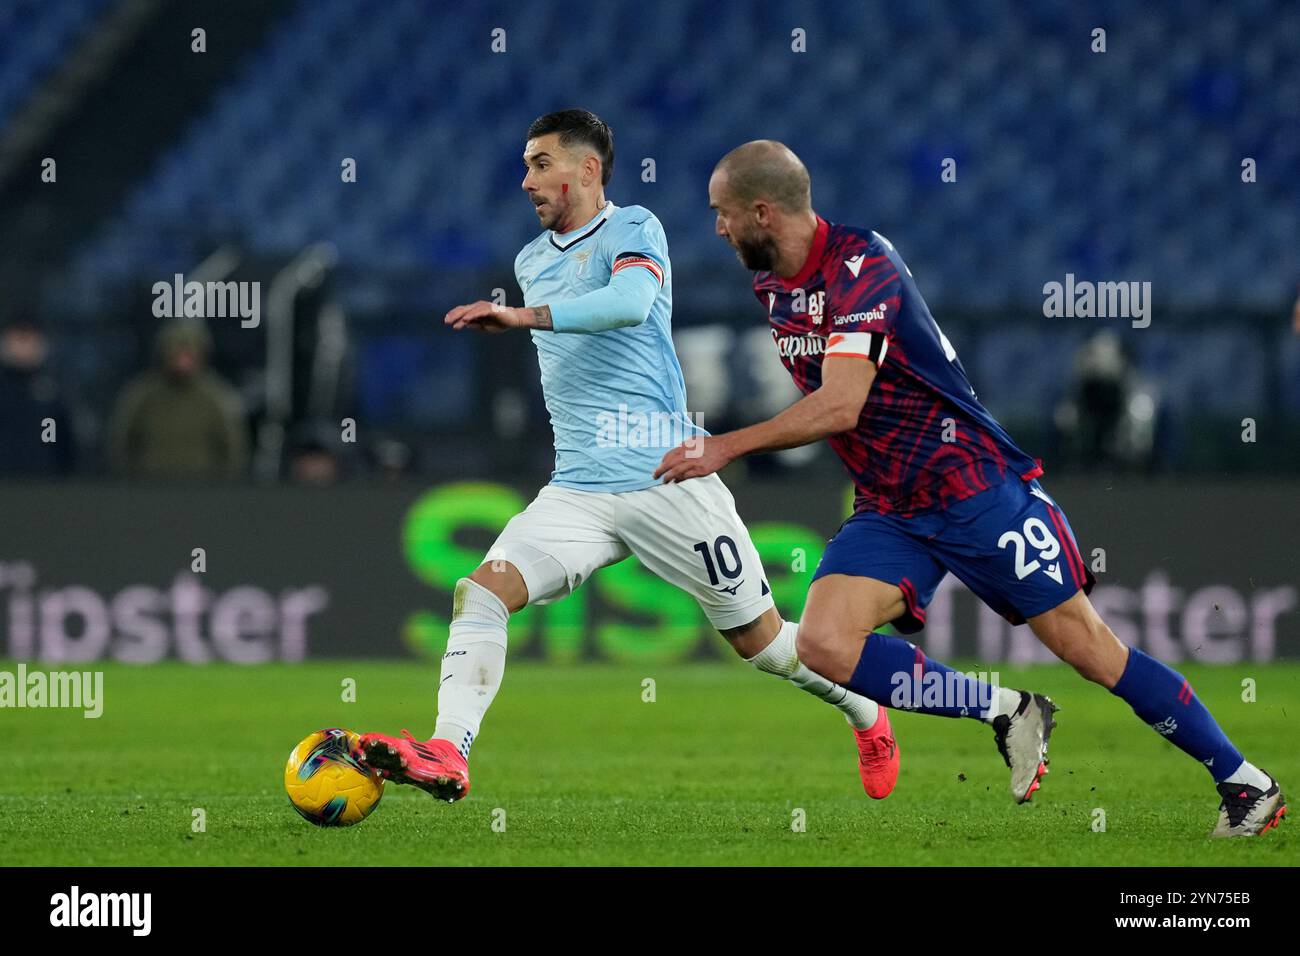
328 783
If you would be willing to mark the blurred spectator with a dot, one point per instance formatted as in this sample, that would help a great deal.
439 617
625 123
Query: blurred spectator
314 455
392 459
179 419
29 394
1295 316
1107 418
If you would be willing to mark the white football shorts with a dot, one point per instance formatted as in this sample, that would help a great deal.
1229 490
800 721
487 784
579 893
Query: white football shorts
687 533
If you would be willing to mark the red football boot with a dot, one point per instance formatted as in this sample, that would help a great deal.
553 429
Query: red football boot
877 757
434 766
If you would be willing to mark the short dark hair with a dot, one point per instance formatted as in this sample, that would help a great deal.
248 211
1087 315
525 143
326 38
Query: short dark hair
579 126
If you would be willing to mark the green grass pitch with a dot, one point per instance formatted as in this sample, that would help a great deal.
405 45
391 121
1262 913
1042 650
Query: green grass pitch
586 772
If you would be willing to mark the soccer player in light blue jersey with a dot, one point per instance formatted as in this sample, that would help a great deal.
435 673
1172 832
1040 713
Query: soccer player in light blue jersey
597 286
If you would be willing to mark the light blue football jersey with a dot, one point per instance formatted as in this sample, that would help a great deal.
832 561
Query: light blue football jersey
616 398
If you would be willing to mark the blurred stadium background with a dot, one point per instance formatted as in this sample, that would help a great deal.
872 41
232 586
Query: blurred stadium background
227 165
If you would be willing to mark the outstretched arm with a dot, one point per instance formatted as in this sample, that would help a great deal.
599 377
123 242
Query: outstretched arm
833 408
625 301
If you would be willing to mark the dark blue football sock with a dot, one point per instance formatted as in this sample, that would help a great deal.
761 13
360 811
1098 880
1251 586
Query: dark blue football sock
896 673
1166 702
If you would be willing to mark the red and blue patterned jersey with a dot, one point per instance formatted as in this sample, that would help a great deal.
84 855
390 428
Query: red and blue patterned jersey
923 440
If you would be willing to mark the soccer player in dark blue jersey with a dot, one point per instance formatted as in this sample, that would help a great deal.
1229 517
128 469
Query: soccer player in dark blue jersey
940 487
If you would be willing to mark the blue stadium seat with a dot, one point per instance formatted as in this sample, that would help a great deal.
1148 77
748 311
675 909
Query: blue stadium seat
1065 164
34 36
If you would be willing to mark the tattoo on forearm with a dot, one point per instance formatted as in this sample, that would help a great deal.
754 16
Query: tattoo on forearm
542 317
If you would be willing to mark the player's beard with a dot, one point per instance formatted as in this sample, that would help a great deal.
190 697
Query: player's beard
546 217
757 255
555 212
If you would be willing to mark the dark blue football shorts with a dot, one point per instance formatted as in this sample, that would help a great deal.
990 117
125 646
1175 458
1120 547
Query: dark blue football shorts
1009 544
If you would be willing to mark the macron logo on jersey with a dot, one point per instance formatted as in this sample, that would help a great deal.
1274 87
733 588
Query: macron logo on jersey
855 264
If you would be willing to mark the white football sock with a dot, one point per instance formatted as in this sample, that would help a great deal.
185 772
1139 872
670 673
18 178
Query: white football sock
473 665
781 658
1005 701
1251 776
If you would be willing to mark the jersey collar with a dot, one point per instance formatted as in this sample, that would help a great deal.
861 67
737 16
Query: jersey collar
583 231
814 259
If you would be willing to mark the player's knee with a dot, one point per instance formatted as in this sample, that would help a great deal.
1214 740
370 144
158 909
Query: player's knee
504 580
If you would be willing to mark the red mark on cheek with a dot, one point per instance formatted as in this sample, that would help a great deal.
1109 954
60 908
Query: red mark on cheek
564 188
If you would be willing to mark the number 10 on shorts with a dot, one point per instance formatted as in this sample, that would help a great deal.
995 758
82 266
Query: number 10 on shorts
727 557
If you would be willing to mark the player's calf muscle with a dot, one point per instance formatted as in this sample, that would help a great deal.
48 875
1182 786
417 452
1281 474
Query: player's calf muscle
1075 633
748 640
504 580
841 611
831 652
